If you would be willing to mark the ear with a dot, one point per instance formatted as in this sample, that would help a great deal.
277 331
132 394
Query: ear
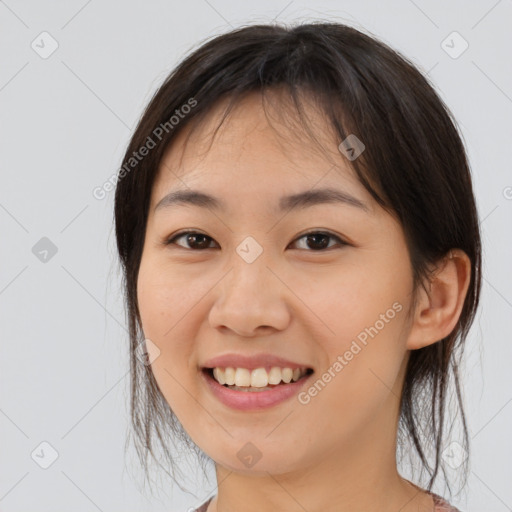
438 306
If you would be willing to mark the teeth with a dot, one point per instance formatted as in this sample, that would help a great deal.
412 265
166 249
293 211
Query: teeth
274 376
242 377
286 375
229 376
257 378
219 376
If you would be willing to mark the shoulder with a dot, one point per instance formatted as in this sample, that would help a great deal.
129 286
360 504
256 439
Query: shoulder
204 506
442 505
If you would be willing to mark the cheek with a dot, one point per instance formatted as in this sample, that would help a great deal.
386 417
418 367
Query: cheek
364 306
166 314
165 310
163 297
352 297
360 376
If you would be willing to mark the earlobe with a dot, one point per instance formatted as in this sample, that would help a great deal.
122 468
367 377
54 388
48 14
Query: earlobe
440 301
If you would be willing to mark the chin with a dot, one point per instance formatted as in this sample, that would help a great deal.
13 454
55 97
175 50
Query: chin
250 460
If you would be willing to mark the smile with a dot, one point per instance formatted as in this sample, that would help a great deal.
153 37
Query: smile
244 389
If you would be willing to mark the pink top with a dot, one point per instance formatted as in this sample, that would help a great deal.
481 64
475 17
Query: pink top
439 503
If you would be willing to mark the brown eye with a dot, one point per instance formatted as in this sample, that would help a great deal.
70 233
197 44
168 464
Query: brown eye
195 240
317 241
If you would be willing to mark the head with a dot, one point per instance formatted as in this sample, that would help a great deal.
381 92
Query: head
389 273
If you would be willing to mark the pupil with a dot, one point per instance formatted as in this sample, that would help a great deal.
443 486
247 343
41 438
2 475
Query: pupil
192 239
315 236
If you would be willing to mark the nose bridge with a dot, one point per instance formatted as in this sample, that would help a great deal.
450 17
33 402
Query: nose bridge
249 271
250 250
249 296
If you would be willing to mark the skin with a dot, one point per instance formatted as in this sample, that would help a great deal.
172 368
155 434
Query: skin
337 452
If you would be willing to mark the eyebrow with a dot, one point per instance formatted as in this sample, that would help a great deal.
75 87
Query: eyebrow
291 202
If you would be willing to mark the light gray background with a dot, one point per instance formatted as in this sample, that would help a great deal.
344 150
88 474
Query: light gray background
65 122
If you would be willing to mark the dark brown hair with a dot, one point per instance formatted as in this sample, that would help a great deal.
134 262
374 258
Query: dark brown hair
414 165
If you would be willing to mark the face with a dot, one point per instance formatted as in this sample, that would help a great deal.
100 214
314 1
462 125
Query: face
324 284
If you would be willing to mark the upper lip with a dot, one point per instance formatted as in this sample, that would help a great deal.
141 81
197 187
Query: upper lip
251 362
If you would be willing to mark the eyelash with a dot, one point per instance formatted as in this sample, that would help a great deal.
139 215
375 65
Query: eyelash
173 238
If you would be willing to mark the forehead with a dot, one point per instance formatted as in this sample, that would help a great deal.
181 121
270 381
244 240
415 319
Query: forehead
258 147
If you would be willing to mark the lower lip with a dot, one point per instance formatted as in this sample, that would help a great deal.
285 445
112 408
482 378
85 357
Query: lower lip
251 400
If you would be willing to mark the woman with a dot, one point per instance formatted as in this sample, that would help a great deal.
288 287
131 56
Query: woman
301 254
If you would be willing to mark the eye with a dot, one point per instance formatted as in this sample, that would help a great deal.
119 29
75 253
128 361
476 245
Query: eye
318 240
315 240
193 238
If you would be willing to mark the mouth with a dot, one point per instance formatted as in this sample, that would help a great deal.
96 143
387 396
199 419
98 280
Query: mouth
257 379
254 382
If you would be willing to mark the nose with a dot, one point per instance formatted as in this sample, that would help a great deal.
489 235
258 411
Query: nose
250 301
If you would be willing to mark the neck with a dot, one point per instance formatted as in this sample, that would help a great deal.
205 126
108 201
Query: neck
315 492
356 476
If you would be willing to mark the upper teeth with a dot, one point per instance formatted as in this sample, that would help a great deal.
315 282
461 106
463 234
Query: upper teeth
259 377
